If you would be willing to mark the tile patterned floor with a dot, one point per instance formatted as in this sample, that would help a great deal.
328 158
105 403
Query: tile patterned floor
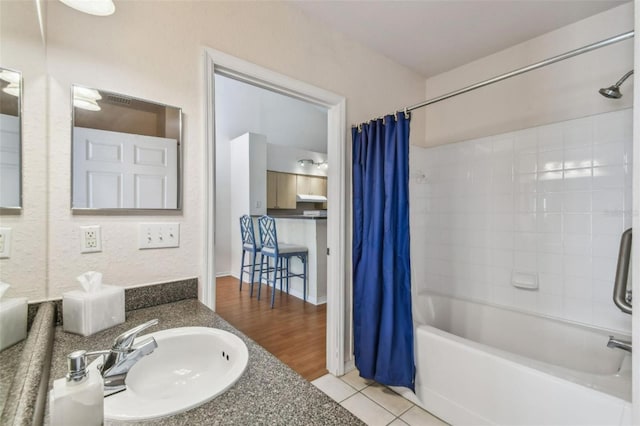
373 403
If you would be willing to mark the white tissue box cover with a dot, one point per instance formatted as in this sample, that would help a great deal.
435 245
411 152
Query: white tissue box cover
13 321
87 313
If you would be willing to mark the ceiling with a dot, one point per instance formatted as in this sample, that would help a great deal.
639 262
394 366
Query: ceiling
433 36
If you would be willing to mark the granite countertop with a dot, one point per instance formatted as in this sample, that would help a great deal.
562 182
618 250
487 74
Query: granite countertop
268 392
9 360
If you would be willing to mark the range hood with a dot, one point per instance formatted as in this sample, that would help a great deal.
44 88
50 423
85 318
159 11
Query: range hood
308 198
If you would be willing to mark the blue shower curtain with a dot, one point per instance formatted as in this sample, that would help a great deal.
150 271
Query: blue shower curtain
383 328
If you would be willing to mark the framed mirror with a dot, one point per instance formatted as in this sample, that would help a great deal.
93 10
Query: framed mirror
126 153
10 140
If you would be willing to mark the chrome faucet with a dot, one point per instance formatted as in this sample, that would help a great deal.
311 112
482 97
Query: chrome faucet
122 356
625 345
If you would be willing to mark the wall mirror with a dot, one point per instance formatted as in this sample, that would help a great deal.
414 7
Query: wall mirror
126 153
10 139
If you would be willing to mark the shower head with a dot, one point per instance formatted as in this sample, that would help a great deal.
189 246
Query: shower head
613 92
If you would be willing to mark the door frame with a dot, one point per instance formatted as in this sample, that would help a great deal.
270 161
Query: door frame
216 62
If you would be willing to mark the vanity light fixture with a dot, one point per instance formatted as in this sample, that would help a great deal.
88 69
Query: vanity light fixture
92 7
323 165
12 89
84 103
86 98
10 77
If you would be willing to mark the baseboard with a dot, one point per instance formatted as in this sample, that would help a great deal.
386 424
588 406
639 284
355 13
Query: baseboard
299 295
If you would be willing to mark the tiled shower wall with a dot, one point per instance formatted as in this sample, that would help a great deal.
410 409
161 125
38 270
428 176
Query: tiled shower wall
545 204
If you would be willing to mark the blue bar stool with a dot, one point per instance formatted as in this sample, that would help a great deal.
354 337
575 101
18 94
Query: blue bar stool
249 246
281 253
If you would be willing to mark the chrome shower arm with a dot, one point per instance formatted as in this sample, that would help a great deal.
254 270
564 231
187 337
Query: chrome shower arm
624 77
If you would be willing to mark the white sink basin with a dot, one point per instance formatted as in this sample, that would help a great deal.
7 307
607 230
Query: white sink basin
190 366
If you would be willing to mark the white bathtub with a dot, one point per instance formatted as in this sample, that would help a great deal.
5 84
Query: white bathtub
479 364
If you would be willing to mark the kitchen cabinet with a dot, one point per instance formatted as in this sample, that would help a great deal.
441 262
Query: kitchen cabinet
311 185
281 190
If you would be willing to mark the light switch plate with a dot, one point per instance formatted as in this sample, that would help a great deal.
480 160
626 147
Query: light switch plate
158 235
5 243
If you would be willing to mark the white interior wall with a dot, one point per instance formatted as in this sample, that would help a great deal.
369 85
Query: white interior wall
164 64
284 159
153 50
22 49
558 92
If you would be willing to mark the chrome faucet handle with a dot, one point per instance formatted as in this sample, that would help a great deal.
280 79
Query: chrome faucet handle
124 342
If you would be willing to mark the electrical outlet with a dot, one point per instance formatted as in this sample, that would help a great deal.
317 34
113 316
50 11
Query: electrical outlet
158 235
90 239
5 243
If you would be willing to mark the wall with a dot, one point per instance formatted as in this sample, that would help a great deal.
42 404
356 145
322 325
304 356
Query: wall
285 159
558 92
22 49
546 203
154 50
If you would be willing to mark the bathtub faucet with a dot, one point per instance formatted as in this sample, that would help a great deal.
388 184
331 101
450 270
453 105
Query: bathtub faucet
622 344
122 356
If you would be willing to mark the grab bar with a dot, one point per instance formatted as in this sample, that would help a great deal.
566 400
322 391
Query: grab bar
621 297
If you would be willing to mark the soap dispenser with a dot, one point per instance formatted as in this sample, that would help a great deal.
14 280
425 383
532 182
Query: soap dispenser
78 398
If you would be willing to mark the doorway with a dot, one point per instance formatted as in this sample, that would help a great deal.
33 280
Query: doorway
218 63
263 136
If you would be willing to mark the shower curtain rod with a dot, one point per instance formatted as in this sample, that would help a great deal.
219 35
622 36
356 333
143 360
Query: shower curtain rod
562 57
567 55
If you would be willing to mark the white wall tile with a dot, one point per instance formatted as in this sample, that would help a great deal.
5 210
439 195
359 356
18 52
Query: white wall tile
578 133
550 137
576 158
525 241
550 160
577 244
525 141
526 162
549 222
608 201
613 127
551 200
576 202
608 177
577 266
525 183
525 261
604 268
550 182
551 284
609 154
577 180
607 223
606 245
576 223
578 287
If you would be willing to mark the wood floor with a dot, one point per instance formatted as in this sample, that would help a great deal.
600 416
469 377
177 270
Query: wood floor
293 331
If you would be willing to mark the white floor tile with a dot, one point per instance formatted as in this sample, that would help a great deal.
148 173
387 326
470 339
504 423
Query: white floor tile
388 399
397 422
416 416
354 380
334 387
367 410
